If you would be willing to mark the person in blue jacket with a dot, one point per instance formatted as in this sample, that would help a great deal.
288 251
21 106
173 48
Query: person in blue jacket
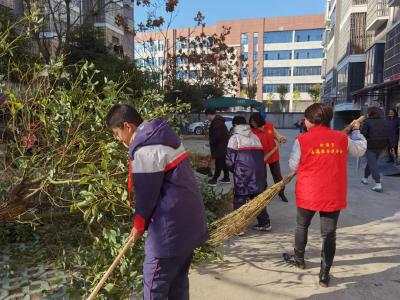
245 159
168 203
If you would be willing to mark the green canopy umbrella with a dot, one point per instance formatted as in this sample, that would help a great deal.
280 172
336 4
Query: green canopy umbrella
227 102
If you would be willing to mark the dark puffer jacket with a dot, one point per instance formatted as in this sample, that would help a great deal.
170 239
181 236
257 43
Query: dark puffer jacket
393 126
219 137
168 201
375 132
245 158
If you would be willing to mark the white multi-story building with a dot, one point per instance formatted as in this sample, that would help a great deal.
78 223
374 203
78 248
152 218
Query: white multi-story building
273 51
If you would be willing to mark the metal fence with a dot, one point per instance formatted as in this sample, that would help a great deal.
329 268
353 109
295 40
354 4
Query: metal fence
280 120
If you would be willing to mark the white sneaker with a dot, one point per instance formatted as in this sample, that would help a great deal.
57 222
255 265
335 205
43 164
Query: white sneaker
377 187
364 180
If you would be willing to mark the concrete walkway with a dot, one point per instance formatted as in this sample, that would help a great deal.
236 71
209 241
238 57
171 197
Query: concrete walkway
367 263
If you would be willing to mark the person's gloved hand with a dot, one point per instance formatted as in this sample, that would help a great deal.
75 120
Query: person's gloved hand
355 125
283 140
135 234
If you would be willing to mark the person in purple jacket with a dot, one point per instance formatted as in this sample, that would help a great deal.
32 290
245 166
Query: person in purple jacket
168 203
245 159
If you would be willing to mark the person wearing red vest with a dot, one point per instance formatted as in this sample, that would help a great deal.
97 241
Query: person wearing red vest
267 135
320 159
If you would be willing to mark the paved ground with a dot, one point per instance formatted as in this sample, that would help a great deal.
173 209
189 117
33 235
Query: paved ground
367 264
29 281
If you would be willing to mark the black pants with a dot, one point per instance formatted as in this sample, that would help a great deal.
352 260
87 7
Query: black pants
275 169
220 165
328 224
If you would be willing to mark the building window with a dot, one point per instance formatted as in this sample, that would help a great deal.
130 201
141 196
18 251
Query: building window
181 60
147 62
180 75
193 74
255 39
277 55
160 45
272 72
278 37
308 54
343 79
140 62
302 87
180 45
139 47
244 40
245 56
308 35
273 88
255 56
160 61
306 71
243 72
150 46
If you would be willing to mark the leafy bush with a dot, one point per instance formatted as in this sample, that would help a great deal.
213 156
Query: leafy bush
63 161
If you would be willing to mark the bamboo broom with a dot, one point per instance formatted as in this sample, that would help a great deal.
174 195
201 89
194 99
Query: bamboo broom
236 221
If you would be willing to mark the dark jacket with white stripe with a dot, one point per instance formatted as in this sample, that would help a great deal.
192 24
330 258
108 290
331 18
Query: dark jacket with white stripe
168 201
245 158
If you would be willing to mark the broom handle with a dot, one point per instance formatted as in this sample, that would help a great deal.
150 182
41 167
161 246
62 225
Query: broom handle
359 120
111 269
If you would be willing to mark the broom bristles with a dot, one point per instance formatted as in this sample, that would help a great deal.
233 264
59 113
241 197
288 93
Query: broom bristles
238 220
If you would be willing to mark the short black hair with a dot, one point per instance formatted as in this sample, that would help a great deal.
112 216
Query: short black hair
210 111
121 113
257 118
374 112
239 120
319 114
395 112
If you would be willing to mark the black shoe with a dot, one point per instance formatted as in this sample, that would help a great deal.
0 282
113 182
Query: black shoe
283 198
225 180
212 182
294 260
324 277
267 227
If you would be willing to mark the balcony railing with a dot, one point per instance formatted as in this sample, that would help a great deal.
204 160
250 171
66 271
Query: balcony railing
359 2
377 14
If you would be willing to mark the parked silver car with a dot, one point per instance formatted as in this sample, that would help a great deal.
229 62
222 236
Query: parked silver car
201 128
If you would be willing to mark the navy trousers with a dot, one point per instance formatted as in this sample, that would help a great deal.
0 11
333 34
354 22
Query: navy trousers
166 278
372 164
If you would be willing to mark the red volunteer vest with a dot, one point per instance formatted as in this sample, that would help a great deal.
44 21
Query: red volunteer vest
322 173
266 137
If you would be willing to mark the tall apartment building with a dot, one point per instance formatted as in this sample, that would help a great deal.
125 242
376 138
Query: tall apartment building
382 71
99 13
116 37
362 60
345 41
276 51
